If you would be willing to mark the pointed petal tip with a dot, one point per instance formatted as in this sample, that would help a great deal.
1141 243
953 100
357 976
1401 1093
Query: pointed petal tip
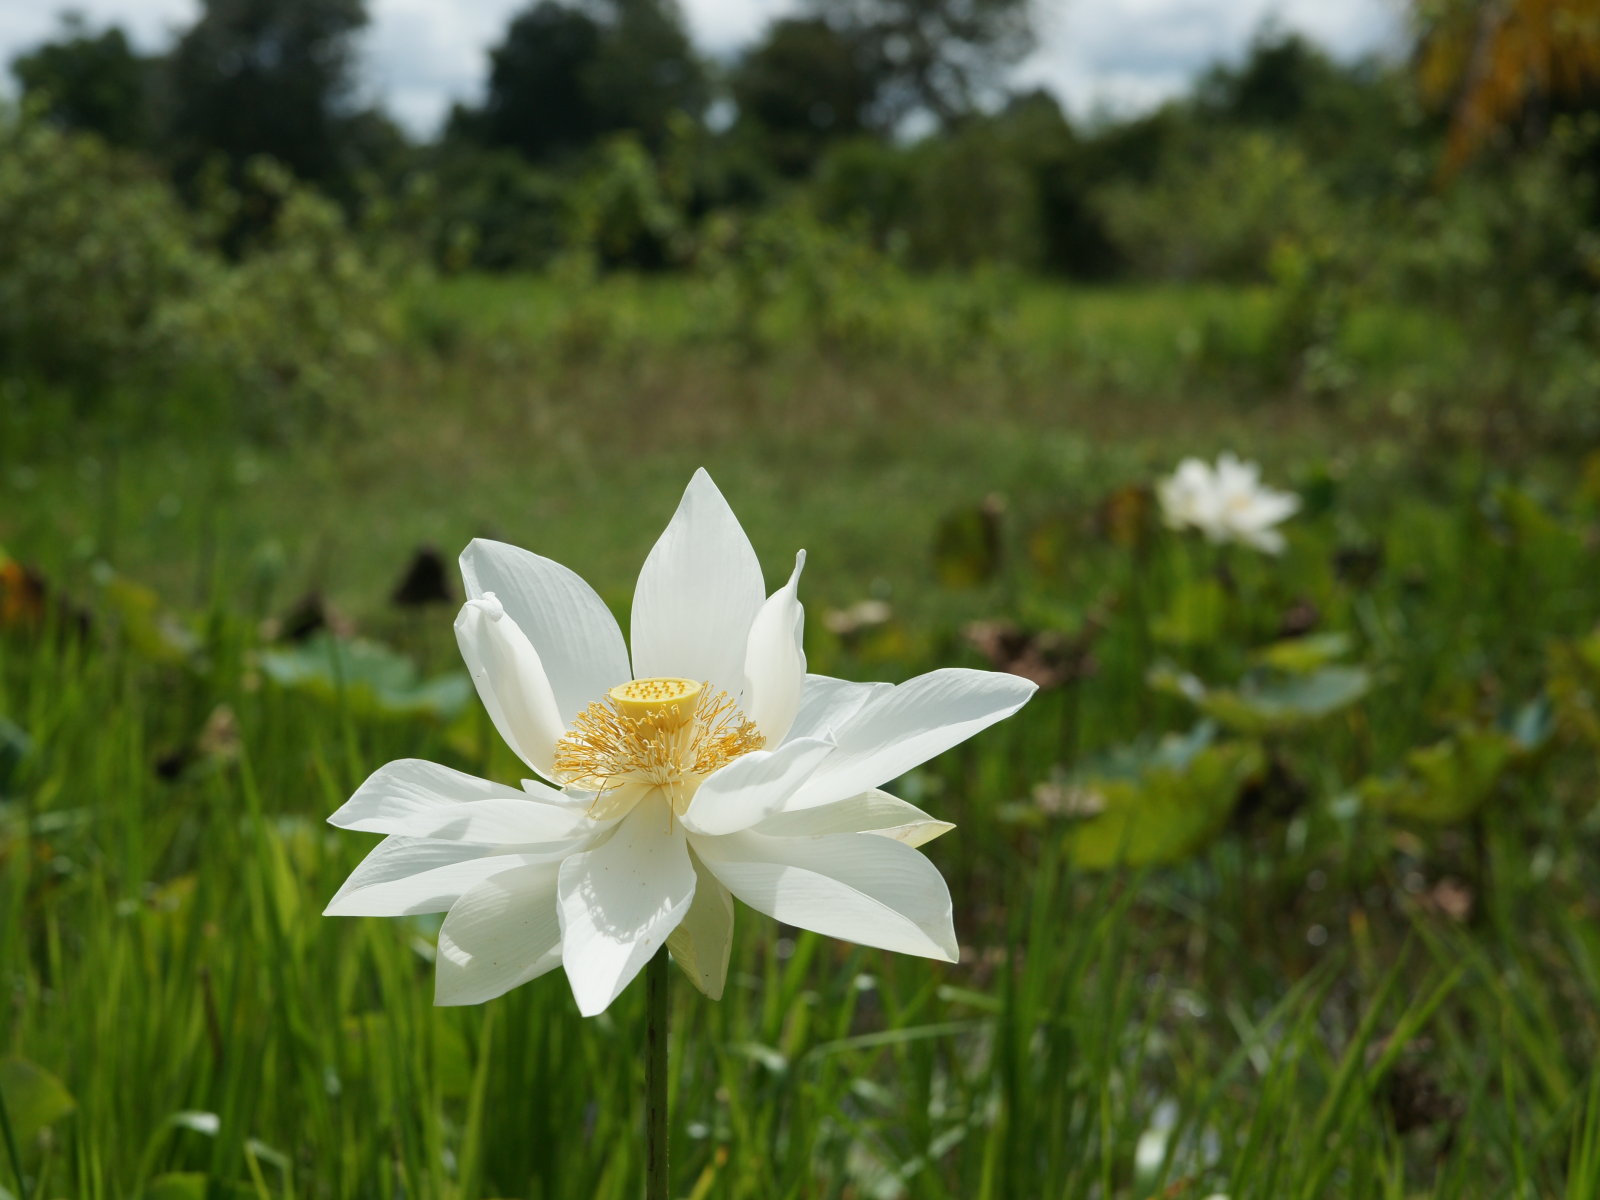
701 481
468 554
591 1000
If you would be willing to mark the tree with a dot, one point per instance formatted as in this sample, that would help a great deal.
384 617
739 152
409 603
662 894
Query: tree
271 77
646 69
566 74
1493 63
940 57
89 81
805 85
538 101
1275 85
1351 119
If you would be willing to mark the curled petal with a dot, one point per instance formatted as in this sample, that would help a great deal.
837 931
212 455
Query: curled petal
510 679
572 631
775 660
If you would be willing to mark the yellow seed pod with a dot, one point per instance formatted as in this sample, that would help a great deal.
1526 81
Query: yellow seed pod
662 696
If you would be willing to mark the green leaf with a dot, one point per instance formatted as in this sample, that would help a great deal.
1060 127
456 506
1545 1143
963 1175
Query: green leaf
33 1097
1272 705
368 678
1447 781
1133 760
149 631
1172 810
1538 533
1304 654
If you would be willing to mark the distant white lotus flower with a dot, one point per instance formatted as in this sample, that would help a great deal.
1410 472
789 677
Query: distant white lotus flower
711 767
1227 503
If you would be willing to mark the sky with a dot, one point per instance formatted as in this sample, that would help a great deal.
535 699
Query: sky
1119 56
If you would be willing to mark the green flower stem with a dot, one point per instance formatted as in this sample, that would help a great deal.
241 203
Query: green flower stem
657 1182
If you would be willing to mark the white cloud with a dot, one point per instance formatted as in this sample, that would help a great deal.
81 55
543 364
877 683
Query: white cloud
1128 55
723 26
421 55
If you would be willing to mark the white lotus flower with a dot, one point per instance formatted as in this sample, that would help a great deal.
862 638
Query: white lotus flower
709 768
1228 503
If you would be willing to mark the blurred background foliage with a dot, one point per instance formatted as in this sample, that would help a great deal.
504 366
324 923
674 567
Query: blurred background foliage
874 139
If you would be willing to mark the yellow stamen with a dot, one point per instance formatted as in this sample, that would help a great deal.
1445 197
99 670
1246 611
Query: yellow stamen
652 735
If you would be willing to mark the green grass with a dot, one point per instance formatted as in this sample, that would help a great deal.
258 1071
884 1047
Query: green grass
1322 1000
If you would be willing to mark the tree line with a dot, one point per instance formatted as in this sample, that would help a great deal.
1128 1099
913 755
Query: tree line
894 119
278 77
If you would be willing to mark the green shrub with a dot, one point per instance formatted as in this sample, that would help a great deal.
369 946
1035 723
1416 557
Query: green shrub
106 277
954 202
93 245
975 204
1216 211
627 212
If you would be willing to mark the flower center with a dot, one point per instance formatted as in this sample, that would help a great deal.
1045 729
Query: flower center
1238 503
649 737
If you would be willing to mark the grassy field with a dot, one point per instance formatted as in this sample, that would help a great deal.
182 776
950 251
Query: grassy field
1355 954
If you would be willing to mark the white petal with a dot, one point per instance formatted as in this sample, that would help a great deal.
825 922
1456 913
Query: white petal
703 942
423 799
514 821
754 786
1234 475
861 888
562 798
576 636
874 812
775 660
511 680
698 593
619 902
403 876
917 720
827 703
1194 474
503 932
410 787
1269 541
1271 507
